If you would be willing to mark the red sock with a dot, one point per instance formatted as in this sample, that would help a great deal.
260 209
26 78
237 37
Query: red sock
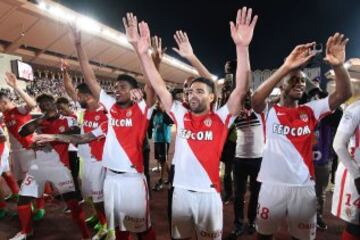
78 216
122 235
11 182
48 188
101 216
148 235
24 212
40 203
2 205
347 236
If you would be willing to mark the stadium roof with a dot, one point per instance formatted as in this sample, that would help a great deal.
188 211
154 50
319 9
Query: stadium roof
39 33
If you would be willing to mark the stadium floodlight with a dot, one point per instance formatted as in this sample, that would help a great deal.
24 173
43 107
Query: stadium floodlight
88 25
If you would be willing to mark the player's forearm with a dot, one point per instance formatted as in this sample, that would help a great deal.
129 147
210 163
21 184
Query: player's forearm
264 90
342 87
340 143
155 79
199 66
70 90
29 127
87 71
30 102
243 76
75 138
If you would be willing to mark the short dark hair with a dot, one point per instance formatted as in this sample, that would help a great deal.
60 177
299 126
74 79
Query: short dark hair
208 82
62 100
127 78
43 97
4 95
84 89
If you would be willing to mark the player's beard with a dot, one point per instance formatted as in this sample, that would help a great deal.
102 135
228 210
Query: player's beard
83 105
197 106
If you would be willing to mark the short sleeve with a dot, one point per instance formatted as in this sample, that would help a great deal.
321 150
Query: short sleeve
23 109
101 130
320 107
225 115
177 111
106 100
350 121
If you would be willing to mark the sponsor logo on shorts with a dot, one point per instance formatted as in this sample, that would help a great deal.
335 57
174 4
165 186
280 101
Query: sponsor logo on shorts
69 182
305 226
293 131
211 235
134 220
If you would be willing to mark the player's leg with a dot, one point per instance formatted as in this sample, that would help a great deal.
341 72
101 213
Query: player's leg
301 207
271 209
61 178
254 193
351 232
321 182
32 187
208 215
182 222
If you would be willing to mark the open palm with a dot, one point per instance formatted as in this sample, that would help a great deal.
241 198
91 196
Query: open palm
242 32
299 56
137 34
10 79
184 46
335 49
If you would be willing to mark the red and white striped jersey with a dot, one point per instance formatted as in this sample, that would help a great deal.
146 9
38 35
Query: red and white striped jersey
14 119
91 121
59 126
125 135
198 146
287 155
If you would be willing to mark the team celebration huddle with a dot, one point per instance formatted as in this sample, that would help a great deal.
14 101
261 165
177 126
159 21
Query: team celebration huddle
265 143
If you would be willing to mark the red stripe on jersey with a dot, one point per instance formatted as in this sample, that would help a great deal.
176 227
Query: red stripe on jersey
207 151
342 186
13 120
91 120
299 120
130 126
58 126
263 120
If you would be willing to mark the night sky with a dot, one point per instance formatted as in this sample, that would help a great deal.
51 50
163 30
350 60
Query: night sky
282 24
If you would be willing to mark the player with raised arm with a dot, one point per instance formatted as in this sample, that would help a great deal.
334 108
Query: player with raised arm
94 114
287 171
346 198
196 200
122 156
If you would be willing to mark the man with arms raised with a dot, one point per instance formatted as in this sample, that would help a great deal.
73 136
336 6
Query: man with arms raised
200 132
287 171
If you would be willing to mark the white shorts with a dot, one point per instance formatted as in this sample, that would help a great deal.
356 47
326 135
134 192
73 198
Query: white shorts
46 168
296 205
92 180
346 199
4 162
202 211
21 160
126 201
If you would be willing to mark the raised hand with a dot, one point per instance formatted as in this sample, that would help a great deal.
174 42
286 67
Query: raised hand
242 32
335 49
136 95
75 33
137 34
157 50
11 80
299 56
64 65
184 46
